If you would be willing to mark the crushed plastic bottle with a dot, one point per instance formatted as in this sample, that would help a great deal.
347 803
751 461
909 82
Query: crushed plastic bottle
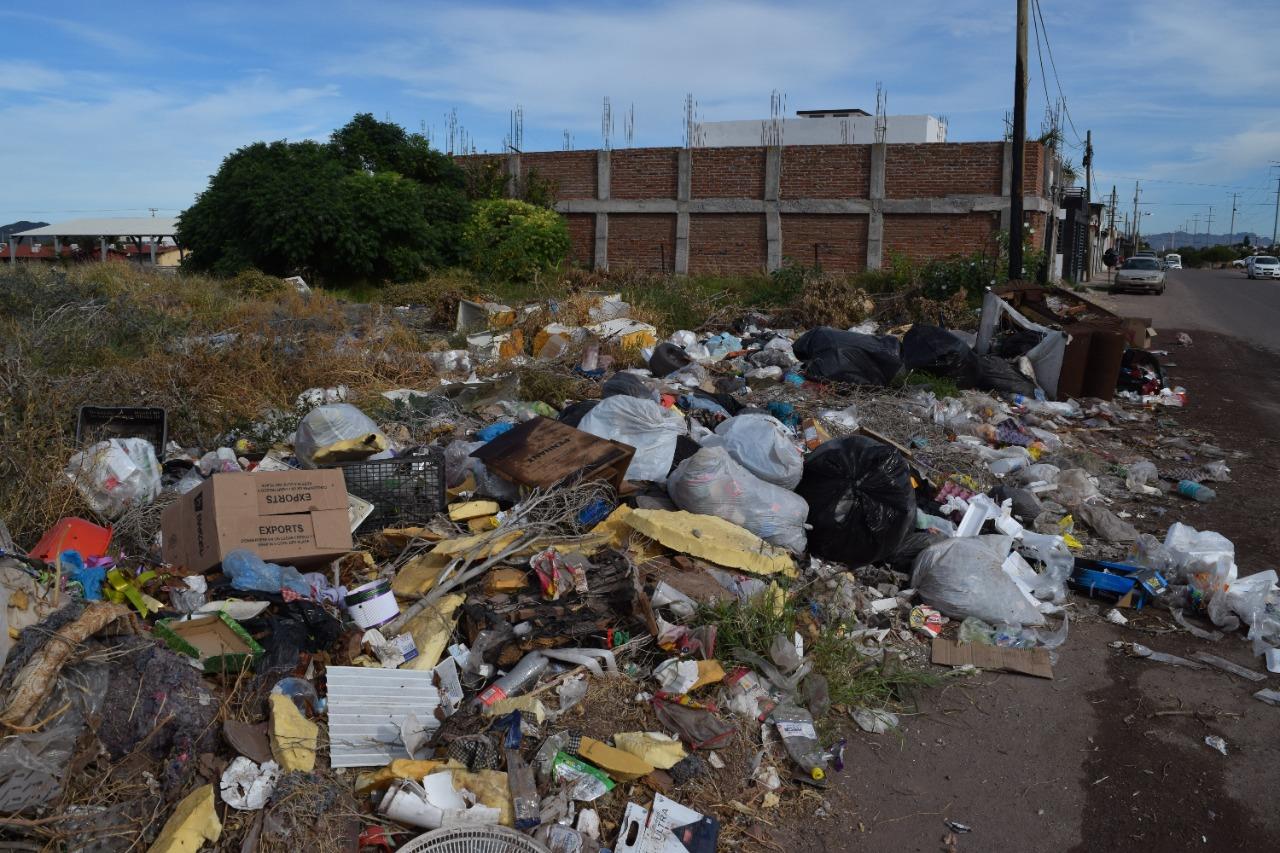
526 805
795 727
1192 489
522 676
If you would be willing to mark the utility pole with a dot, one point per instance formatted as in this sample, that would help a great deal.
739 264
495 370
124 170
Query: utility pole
1019 144
1276 221
1195 232
1111 231
1133 235
1208 228
1231 237
1088 205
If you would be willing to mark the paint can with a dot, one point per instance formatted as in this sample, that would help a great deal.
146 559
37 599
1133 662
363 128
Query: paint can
373 604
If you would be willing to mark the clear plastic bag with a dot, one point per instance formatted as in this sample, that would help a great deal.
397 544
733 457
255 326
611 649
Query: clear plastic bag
1199 551
964 577
325 426
761 444
643 424
710 483
116 474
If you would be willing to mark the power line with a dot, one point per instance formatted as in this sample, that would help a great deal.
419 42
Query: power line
1044 81
1182 183
1054 65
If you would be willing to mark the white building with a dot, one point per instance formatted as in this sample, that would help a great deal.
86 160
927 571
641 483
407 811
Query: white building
819 127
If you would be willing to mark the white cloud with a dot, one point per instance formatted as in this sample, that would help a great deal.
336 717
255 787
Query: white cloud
17 76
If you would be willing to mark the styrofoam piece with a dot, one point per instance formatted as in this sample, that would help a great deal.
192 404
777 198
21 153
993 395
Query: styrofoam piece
366 710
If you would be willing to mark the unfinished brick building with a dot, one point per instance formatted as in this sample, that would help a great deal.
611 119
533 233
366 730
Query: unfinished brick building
746 210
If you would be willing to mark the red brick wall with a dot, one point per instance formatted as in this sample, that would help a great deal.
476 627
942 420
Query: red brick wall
572 172
934 170
582 238
841 239
644 241
643 173
1033 168
726 243
924 237
826 171
728 172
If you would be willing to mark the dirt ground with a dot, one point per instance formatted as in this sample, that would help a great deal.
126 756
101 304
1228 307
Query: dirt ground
1088 761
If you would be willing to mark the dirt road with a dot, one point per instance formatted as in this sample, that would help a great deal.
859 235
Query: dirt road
1089 761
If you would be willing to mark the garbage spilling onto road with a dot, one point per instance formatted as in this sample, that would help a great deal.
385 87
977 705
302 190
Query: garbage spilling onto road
628 619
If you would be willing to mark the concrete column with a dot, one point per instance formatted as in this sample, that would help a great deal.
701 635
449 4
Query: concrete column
875 219
600 260
684 191
772 217
13 251
513 174
153 251
57 247
1006 184
102 242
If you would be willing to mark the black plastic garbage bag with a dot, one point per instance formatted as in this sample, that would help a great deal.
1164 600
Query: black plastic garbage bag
937 351
861 502
573 413
834 355
668 358
626 384
996 374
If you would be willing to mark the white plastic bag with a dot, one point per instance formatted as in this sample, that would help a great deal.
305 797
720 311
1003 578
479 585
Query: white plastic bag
964 577
116 474
760 444
643 424
710 483
326 425
1200 551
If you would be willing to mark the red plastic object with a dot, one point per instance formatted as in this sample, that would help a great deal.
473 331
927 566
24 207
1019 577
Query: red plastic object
73 534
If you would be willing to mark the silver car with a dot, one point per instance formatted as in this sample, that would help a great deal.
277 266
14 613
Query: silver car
1141 275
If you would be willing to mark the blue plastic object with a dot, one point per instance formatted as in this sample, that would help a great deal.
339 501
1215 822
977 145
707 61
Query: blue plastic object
1095 577
90 580
492 431
250 573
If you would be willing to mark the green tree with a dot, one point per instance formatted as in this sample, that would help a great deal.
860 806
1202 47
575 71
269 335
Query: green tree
514 240
374 203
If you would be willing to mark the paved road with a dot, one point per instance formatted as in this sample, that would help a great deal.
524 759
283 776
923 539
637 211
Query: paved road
1224 301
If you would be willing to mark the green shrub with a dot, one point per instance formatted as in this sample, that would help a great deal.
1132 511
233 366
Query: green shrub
255 284
514 240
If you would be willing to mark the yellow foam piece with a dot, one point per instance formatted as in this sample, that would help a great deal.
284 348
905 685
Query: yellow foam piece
491 789
192 823
419 575
709 672
712 539
660 750
399 768
472 509
622 766
530 705
431 628
293 736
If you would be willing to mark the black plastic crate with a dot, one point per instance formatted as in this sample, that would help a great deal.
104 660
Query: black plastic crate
99 423
405 490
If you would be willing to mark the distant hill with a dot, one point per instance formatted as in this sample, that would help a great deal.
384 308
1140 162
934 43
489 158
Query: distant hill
23 225
1175 239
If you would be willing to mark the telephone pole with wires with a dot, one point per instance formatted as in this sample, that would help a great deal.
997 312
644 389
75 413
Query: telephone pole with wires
1208 228
1276 222
1019 143
1231 236
1087 162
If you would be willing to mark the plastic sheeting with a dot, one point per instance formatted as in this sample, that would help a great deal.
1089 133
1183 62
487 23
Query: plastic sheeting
1046 356
643 424
761 444
711 483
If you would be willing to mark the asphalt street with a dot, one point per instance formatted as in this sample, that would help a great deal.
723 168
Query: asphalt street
1223 301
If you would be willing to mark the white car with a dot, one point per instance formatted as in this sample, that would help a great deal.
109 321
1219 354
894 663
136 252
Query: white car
1264 266
1141 275
1173 261
1242 263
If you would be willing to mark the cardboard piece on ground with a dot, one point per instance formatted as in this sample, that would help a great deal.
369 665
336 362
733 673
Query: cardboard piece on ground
671 828
193 822
541 453
295 518
217 641
1023 661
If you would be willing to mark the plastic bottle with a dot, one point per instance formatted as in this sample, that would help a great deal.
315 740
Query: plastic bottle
526 805
1192 489
303 694
795 727
521 677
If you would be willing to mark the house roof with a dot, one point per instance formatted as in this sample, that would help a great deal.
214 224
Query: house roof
133 226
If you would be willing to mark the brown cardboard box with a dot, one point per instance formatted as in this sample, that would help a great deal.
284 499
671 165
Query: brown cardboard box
541 453
291 517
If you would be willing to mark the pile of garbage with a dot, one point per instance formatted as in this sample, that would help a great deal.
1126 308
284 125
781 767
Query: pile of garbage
524 630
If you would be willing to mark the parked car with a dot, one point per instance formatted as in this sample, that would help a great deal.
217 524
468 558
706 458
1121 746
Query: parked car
1141 275
1145 253
1173 261
1264 266
1242 263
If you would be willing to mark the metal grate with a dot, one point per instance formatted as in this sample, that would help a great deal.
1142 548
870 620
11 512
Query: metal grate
405 490
474 839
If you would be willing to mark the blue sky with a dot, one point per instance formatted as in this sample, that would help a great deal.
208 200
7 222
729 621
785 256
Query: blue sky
109 110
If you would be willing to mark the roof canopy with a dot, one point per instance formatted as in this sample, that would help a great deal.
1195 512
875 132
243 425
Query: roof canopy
135 226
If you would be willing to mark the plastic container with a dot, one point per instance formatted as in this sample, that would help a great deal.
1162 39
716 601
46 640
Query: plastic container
1196 491
795 727
526 804
522 676
98 423
406 490
73 534
372 604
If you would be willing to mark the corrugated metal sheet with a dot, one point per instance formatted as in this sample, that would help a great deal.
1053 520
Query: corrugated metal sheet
130 226
366 708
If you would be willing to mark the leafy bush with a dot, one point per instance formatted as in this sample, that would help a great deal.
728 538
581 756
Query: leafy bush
514 240
255 284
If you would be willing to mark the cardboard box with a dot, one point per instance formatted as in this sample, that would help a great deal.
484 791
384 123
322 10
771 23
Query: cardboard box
217 641
1023 661
541 453
292 517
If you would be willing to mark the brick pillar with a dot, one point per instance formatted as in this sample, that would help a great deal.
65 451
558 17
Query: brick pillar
684 191
875 219
772 217
601 258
